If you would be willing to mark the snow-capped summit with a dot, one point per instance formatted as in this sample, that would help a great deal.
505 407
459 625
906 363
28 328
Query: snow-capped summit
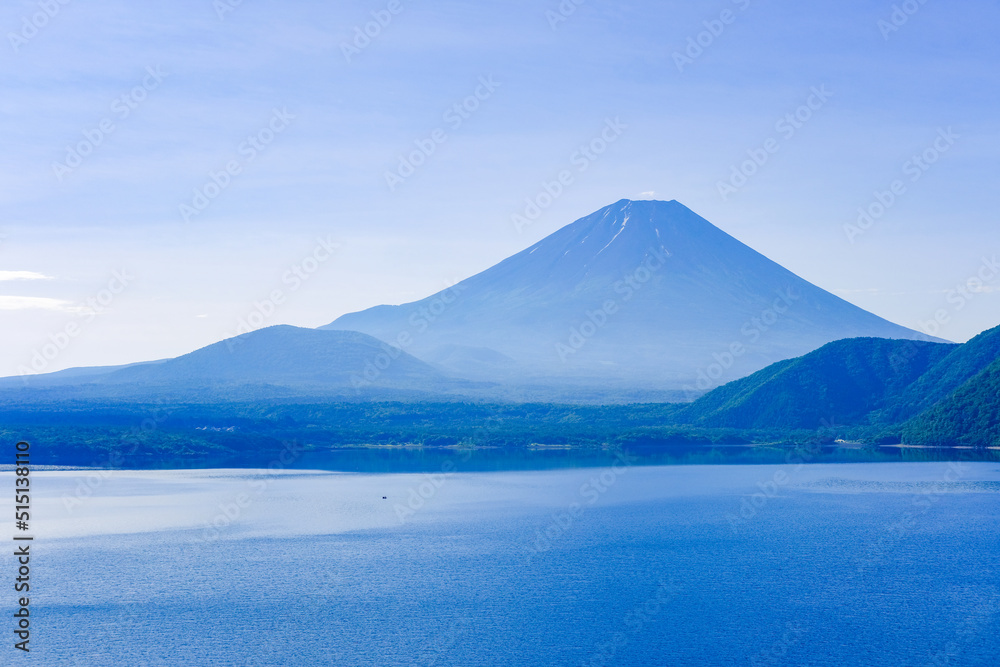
640 294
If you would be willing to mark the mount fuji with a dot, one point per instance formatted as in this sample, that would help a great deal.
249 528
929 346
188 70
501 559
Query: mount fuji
642 295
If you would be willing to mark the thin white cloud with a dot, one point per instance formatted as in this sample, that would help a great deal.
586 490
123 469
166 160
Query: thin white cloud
980 289
37 303
23 275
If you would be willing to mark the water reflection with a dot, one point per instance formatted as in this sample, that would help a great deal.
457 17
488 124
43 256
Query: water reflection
487 459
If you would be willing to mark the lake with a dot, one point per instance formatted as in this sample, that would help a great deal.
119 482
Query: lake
618 564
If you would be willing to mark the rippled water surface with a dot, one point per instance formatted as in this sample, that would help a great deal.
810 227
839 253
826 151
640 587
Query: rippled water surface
852 564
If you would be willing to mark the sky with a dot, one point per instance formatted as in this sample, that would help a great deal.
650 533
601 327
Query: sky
171 170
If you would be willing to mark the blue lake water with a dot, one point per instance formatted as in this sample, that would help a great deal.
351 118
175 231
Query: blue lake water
828 564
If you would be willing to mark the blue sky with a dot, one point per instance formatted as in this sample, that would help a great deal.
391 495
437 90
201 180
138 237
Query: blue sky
162 95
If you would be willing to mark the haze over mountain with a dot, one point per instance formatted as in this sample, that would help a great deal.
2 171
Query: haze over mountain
275 361
640 294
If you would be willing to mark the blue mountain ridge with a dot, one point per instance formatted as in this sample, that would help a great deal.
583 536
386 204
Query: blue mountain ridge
643 294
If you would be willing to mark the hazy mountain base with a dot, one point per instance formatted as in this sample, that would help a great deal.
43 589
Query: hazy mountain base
159 435
307 365
867 391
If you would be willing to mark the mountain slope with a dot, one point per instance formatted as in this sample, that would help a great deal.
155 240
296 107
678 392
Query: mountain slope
67 376
283 355
840 383
962 364
968 417
638 294
278 360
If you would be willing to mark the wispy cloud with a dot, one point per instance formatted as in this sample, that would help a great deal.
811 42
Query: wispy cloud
976 289
38 303
23 275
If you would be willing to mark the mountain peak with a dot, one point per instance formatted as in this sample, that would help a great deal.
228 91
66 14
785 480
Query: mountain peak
621 236
644 293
